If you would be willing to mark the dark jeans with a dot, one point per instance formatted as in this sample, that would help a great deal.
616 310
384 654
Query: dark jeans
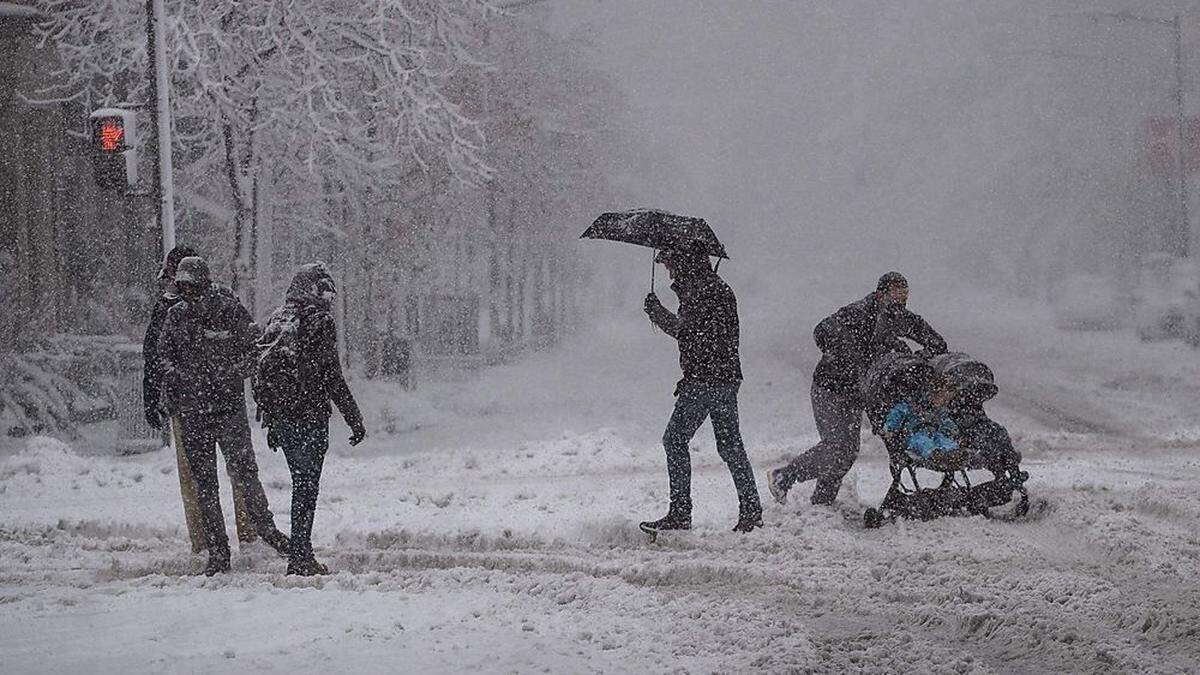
305 442
202 432
838 415
695 402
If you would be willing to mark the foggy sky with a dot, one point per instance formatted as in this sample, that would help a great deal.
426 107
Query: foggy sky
943 138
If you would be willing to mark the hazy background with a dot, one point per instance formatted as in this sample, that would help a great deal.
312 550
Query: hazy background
981 143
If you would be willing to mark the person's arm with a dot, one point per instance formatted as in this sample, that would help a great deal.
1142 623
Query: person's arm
246 334
661 316
169 347
922 333
330 368
152 369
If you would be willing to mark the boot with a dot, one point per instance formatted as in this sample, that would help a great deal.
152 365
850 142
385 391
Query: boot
306 567
217 564
676 519
278 541
775 485
749 512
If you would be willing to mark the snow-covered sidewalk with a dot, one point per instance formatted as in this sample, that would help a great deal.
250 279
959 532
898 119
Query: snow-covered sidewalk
493 529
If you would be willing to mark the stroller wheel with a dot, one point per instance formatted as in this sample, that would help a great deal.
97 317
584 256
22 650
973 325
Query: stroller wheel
1022 508
872 518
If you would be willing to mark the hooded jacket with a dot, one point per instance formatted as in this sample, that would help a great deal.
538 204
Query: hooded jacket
320 369
852 337
706 327
204 352
151 367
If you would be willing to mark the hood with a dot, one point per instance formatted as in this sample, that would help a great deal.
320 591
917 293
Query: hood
308 284
193 270
171 263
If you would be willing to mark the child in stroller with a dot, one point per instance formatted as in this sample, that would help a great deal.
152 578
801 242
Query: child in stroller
924 425
930 415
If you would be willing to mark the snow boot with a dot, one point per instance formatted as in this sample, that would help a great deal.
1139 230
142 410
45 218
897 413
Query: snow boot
775 486
748 524
278 541
308 567
217 564
749 516
674 520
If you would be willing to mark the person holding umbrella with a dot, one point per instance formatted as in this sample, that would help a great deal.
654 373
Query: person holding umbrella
707 331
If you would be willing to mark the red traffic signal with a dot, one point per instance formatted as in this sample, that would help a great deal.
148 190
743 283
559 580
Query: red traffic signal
113 154
110 134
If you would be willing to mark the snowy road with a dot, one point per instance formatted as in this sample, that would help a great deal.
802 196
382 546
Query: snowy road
494 530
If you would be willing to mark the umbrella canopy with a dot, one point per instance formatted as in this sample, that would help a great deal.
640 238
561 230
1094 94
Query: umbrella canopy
656 229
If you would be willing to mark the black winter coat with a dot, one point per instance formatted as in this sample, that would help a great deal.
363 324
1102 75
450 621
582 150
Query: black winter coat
320 369
706 328
151 366
205 353
853 336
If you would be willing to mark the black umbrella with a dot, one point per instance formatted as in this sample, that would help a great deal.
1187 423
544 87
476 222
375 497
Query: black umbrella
655 229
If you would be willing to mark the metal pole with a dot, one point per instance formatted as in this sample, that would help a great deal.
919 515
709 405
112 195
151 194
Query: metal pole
1183 237
152 139
162 104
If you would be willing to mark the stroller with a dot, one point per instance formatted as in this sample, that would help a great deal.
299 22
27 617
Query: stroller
983 444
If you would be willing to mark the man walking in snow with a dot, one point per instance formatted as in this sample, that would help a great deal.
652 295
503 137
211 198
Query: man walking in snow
296 376
204 352
850 339
158 417
707 331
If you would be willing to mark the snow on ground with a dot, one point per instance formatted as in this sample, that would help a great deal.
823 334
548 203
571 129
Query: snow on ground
490 525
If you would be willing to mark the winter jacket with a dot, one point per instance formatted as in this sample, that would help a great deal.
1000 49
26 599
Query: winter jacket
851 338
151 366
706 328
924 428
320 369
205 353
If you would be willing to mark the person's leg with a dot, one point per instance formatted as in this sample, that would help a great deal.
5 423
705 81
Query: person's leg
691 408
727 429
840 421
807 465
234 438
305 444
199 444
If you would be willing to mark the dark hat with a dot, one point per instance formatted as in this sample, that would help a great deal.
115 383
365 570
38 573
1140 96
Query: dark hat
171 262
891 280
193 270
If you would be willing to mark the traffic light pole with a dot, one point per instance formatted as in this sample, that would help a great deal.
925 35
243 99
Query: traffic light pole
160 110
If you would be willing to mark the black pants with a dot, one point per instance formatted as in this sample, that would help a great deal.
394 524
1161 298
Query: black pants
838 415
202 432
305 442
695 402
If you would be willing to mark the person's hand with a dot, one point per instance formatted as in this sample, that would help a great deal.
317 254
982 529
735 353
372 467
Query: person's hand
651 303
357 432
154 416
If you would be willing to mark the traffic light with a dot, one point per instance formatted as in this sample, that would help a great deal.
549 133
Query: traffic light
114 159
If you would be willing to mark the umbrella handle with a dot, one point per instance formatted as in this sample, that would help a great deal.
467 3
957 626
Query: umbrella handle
652 271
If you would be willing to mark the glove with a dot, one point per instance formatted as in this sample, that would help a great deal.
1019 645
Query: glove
154 416
357 432
651 303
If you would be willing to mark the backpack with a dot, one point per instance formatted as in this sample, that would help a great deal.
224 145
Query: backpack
276 377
